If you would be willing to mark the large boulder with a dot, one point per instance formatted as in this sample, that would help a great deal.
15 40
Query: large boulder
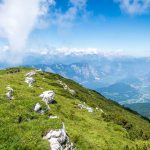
59 140
48 97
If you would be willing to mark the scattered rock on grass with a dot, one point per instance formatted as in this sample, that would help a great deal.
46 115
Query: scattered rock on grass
29 78
71 91
37 107
83 106
48 97
30 74
9 94
101 110
66 87
53 117
30 81
59 140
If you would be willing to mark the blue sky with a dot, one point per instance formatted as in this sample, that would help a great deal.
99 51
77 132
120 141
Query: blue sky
108 25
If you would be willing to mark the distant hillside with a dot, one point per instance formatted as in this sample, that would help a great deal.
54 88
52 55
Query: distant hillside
119 92
92 122
141 108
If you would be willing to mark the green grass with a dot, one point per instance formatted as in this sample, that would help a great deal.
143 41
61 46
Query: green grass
22 129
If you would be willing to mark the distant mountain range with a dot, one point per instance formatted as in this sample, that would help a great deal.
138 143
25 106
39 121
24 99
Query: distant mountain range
141 108
120 92
104 73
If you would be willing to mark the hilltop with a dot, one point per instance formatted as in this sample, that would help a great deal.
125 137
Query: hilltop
91 121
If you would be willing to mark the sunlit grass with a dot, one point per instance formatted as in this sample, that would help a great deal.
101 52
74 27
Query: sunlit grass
21 128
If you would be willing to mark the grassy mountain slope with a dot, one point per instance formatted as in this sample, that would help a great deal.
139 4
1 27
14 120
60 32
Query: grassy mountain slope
21 128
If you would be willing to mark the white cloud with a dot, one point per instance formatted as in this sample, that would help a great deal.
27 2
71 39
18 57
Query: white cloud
78 3
18 18
66 51
66 19
134 7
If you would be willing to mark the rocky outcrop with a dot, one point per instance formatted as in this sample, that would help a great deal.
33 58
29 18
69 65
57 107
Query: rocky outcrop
9 94
66 87
30 74
83 106
48 97
58 139
38 109
30 81
29 78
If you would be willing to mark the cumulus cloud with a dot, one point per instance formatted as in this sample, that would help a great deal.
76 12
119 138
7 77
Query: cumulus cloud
134 7
66 19
66 51
18 18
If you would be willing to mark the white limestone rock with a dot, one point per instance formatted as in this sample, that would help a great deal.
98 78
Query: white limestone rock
54 144
89 109
37 107
97 108
53 117
83 106
30 81
30 74
60 82
48 97
9 94
71 91
101 110
58 139
69 147
66 87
